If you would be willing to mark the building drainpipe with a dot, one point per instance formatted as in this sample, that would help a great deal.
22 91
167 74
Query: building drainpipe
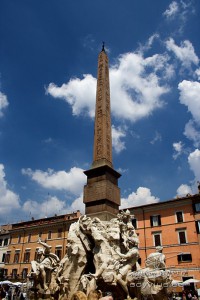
145 245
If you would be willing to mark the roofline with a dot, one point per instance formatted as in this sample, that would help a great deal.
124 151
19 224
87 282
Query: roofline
190 197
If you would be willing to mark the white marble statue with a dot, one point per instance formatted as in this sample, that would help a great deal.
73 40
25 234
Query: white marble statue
101 256
45 263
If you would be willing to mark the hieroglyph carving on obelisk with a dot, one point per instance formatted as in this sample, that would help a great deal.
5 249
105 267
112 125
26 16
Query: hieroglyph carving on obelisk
102 134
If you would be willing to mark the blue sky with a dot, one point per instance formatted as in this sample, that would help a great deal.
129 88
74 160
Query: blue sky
48 66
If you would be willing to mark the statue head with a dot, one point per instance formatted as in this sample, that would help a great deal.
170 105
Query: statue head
40 251
113 231
159 249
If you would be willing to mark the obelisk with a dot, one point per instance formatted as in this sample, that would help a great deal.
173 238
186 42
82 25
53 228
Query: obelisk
101 193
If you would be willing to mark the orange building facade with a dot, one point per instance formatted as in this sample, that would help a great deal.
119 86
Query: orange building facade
23 244
174 225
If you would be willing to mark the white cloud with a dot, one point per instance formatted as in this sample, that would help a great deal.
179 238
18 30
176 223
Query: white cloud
117 134
172 11
183 190
78 204
9 201
79 93
3 103
178 147
190 96
185 53
149 43
71 181
133 78
194 162
197 72
179 11
141 197
52 206
192 132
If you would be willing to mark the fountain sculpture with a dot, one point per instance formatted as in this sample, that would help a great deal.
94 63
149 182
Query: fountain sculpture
102 257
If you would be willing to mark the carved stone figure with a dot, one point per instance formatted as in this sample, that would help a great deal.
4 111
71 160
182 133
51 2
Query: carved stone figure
101 256
46 263
152 281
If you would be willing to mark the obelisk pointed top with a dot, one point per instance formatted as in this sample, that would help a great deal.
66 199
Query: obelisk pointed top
103 46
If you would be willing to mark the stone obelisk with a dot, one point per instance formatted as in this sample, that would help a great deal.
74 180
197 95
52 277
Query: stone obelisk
101 193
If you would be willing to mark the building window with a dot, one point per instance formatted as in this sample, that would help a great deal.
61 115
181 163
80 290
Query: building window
198 226
134 223
197 207
58 252
155 220
16 258
7 258
19 239
59 232
24 273
157 239
26 256
1 242
179 216
29 238
14 273
3 257
5 273
49 235
5 242
184 257
182 237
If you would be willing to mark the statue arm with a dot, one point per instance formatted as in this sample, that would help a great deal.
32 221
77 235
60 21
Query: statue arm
44 244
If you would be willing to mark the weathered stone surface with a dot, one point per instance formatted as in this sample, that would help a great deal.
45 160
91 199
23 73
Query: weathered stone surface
101 255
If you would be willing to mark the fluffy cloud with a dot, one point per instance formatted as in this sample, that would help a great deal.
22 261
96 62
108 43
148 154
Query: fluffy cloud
72 181
197 72
117 134
194 164
190 97
3 103
141 197
172 10
185 53
178 147
183 190
52 206
135 79
192 132
79 93
9 201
